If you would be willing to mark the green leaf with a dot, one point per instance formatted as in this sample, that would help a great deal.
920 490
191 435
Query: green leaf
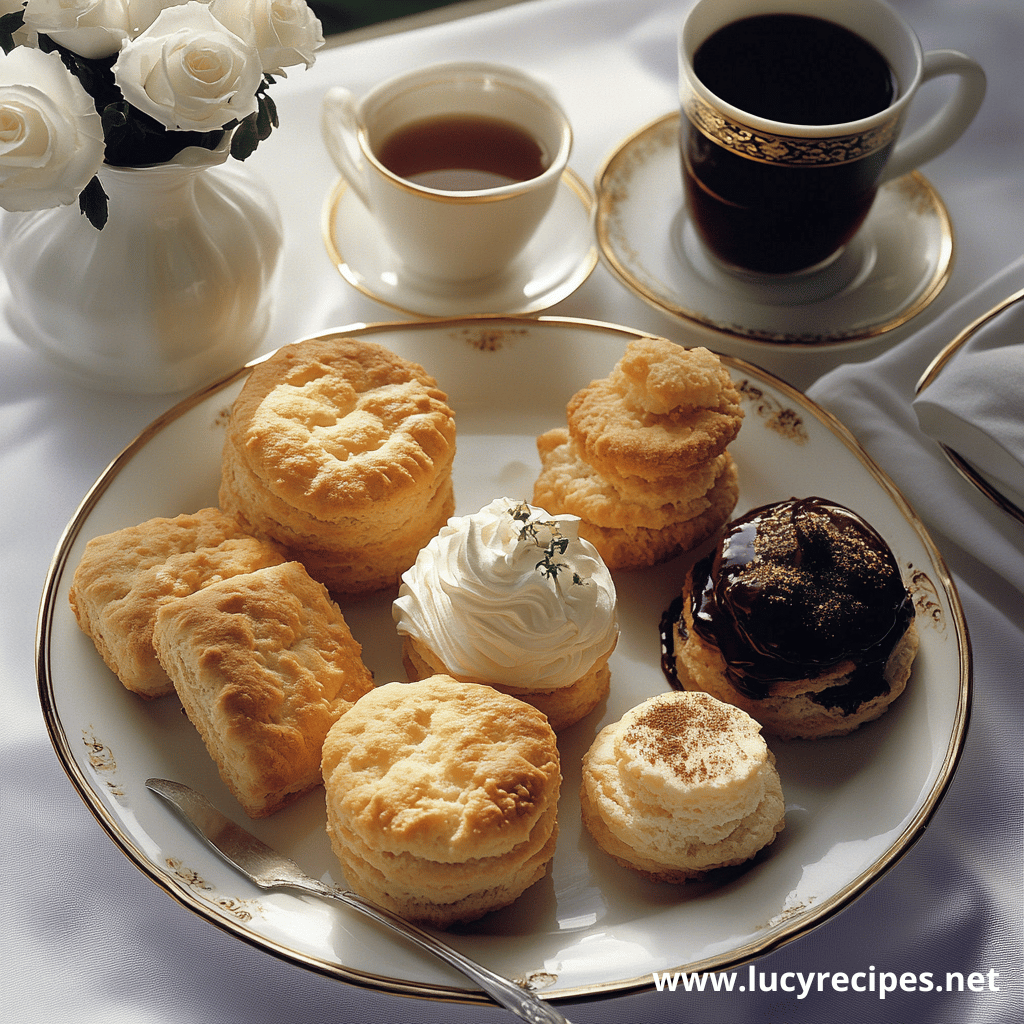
246 138
93 203
9 24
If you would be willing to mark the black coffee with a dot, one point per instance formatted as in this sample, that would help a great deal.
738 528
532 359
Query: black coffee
796 69
462 153
772 217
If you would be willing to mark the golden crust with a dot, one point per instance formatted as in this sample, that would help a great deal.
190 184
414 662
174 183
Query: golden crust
635 546
340 424
264 665
663 409
562 707
441 797
568 483
642 461
341 451
125 577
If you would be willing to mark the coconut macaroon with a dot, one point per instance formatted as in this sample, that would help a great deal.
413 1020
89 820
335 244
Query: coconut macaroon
124 578
442 798
511 597
264 664
341 451
643 459
800 617
681 785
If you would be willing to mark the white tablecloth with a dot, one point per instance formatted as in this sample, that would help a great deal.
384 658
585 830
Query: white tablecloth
86 937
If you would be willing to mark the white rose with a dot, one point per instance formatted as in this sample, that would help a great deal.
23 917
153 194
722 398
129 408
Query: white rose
90 28
51 138
188 71
285 32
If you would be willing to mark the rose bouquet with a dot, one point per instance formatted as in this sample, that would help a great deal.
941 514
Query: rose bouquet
133 83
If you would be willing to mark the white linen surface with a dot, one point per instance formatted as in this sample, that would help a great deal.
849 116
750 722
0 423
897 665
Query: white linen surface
86 937
975 404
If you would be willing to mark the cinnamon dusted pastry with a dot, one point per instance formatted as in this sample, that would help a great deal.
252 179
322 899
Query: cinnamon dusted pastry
681 785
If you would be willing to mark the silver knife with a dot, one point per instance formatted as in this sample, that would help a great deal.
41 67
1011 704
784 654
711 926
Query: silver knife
270 870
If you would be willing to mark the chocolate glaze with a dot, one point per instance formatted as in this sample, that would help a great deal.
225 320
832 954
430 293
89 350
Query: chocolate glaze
793 589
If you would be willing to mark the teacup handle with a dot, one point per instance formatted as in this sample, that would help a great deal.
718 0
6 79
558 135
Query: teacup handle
339 126
950 122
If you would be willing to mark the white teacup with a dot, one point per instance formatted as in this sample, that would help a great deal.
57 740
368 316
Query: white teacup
447 233
780 196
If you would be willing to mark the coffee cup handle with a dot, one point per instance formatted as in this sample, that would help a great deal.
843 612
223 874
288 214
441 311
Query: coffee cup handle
339 126
950 122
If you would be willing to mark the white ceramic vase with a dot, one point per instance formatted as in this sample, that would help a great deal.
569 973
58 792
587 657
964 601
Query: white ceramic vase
175 290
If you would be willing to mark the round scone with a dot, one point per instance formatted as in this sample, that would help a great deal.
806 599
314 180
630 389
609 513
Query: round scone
664 408
643 460
341 451
634 533
681 785
441 798
513 598
800 617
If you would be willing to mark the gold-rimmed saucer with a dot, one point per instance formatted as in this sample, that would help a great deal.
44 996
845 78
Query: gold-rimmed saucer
556 261
931 373
895 266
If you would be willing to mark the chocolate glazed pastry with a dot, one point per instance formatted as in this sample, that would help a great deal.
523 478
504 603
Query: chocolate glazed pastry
799 616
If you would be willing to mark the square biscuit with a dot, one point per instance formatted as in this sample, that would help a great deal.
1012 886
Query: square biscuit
264 664
125 577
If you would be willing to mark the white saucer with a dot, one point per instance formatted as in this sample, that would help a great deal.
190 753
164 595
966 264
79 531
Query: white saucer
555 262
894 267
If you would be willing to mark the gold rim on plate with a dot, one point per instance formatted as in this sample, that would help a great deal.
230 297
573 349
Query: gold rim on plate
790 418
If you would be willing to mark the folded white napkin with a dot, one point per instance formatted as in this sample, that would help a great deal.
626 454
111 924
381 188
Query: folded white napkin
975 403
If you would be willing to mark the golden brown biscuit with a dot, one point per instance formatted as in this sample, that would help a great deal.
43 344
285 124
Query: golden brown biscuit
634 544
562 707
643 459
125 577
264 664
441 798
341 451
681 785
800 617
663 409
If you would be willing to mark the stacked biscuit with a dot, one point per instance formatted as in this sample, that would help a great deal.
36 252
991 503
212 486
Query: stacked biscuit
643 460
264 665
441 798
341 451
124 578
681 785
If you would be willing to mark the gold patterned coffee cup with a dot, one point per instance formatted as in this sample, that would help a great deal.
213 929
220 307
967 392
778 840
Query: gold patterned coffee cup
777 197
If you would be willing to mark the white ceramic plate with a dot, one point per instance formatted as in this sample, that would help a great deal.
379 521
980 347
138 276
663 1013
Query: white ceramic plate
590 927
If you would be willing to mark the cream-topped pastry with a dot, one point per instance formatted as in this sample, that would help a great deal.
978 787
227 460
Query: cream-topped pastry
512 597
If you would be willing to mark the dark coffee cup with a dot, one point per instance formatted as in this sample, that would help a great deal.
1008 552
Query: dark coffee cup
792 113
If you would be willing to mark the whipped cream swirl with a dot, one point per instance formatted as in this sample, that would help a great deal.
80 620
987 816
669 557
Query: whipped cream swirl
511 595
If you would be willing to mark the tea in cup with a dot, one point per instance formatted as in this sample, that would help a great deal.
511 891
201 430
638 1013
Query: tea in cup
458 163
792 113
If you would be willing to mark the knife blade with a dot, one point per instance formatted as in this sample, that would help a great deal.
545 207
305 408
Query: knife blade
268 869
